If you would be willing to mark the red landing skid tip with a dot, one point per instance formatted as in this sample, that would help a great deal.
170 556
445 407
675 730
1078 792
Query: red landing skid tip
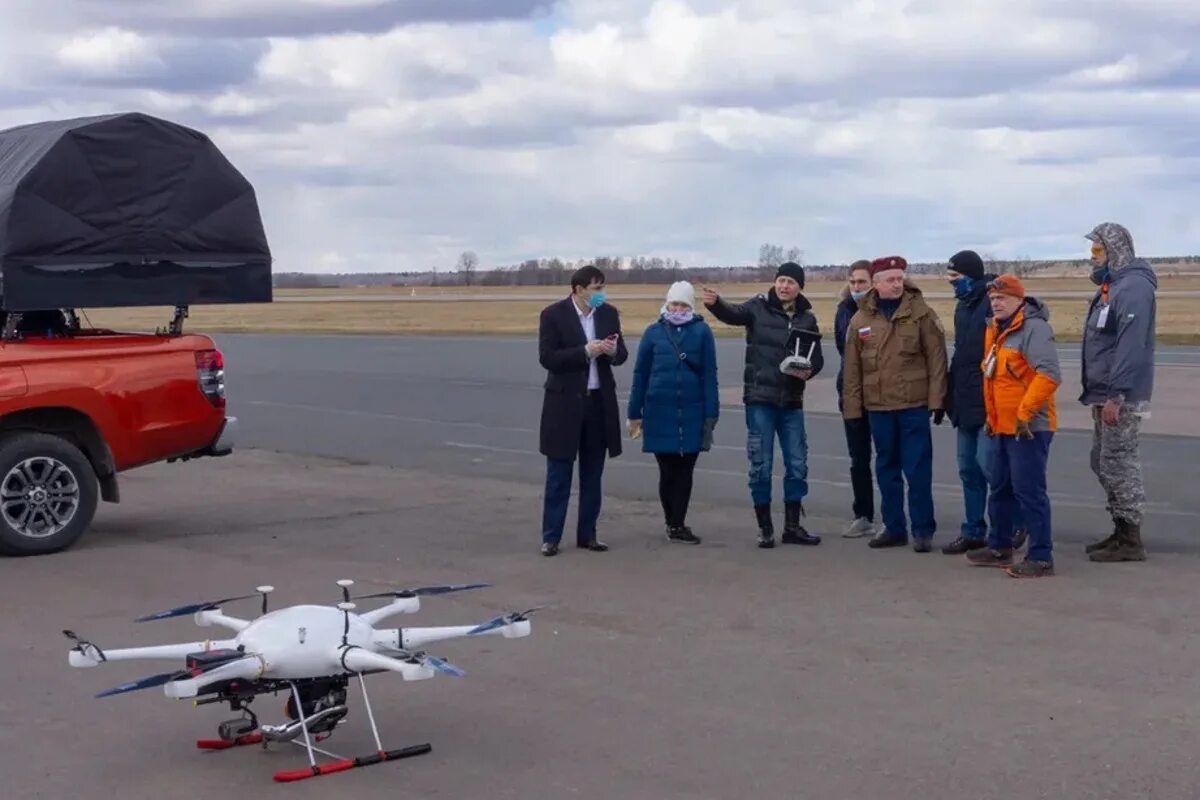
351 763
221 744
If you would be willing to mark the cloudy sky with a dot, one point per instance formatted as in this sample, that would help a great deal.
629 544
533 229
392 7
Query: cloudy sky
393 134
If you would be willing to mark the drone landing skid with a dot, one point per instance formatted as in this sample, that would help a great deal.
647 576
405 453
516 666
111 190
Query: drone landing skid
343 764
251 733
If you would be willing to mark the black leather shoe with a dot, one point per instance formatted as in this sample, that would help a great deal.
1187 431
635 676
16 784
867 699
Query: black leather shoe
963 545
596 546
549 549
886 539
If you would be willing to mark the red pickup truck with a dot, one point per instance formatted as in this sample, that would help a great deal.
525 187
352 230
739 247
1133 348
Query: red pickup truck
116 211
77 410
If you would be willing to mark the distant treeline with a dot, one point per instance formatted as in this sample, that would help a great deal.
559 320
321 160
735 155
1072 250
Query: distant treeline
641 270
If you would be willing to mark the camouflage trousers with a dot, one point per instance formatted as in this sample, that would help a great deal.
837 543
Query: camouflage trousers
1116 463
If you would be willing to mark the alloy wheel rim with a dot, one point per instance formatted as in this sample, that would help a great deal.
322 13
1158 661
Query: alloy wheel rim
39 497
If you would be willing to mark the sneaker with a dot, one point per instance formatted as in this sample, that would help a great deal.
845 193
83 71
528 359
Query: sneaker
1031 569
922 545
987 557
683 535
858 528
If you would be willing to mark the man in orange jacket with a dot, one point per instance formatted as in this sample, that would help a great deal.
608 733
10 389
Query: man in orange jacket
1020 376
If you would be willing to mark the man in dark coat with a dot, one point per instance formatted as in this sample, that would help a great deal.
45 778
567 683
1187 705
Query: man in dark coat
858 431
778 324
579 342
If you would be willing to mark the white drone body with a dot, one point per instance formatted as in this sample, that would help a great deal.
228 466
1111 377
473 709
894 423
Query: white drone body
310 651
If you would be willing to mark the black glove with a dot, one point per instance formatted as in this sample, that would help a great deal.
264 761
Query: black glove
706 438
938 415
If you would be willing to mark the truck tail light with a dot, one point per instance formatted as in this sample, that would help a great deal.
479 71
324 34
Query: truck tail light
210 372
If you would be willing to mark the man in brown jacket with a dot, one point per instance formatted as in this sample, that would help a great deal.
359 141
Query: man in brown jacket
895 374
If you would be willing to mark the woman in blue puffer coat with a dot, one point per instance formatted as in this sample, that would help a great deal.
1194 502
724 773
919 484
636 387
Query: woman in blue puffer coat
674 403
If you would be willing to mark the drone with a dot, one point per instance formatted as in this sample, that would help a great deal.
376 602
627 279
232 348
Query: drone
310 652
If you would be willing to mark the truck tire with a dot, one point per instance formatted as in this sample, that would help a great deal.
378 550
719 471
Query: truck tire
48 494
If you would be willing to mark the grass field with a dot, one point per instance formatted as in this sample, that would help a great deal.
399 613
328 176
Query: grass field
478 313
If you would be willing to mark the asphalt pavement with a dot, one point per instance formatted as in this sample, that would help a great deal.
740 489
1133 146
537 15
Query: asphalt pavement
469 407
655 671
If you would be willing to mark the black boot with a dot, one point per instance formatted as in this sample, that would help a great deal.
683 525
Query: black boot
766 529
1128 546
1108 541
793 531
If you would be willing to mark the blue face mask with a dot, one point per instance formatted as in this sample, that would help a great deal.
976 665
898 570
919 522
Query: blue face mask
963 286
679 317
596 299
859 295
1099 274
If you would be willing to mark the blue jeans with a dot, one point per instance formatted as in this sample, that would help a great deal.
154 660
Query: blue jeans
592 452
763 423
904 451
984 455
974 447
1019 469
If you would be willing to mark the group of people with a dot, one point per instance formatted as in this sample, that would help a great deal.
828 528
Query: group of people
895 380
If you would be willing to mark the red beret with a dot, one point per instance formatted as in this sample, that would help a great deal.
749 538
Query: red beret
889 262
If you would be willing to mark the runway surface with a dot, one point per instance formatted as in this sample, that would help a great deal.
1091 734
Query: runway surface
469 407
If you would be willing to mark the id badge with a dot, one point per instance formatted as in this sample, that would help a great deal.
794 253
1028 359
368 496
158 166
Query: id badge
989 366
1102 318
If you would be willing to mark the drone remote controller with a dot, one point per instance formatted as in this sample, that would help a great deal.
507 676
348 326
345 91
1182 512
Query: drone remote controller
797 363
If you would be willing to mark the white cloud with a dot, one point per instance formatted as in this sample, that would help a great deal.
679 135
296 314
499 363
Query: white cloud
694 128
110 51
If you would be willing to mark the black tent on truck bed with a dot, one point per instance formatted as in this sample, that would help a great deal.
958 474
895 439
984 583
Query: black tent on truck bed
125 210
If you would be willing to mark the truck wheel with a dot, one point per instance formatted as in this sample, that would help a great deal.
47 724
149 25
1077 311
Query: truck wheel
48 494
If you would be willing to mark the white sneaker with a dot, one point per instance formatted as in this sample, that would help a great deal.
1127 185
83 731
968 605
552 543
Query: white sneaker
858 528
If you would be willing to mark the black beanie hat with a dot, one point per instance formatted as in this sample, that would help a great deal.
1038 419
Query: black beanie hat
792 270
967 262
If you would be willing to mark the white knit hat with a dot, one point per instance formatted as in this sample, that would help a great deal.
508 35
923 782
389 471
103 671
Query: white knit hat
682 292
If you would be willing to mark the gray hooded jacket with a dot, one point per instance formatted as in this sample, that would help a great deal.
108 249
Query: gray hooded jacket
1118 344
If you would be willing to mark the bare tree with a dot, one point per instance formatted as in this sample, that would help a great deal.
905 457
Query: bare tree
770 255
794 254
467 263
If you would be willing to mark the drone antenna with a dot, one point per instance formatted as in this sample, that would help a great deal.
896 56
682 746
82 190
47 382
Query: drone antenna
264 591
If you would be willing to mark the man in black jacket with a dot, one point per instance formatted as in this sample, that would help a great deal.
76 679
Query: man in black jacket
858 431
579 342
964 401
778 325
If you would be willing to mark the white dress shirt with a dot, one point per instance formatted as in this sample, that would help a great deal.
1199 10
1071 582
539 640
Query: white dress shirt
588 321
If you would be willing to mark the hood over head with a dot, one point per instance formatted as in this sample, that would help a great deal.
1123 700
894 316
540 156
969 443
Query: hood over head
1118 244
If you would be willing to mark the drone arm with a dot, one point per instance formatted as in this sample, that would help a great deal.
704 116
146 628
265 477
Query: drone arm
356 659
416 638
208 618
401 605
251 666
88 657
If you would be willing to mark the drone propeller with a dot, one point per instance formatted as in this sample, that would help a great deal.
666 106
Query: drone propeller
439 664
82 645
183 611
142 683
426 590
501 621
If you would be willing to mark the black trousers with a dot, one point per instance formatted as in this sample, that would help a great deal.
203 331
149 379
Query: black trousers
858 442
675 485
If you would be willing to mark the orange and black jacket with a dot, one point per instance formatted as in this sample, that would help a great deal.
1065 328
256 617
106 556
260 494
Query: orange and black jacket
1020 385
